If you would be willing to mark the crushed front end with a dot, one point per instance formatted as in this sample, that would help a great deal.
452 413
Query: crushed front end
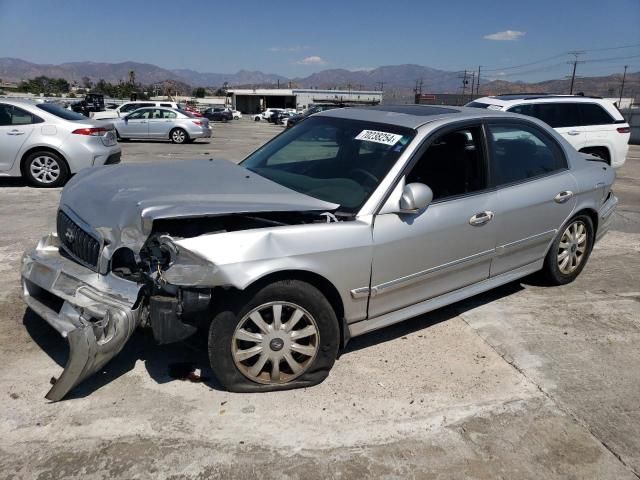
96 313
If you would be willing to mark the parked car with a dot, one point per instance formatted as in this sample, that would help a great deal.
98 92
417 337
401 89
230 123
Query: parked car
237 114
46 143
354 220
293 119
283 117
129 107
92 103
191 109
591 124
179 126
219 114
267 114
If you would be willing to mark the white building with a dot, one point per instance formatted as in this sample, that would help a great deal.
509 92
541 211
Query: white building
258 99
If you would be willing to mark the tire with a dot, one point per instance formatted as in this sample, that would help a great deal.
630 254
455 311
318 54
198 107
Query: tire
553 272
46 169
292 298
236 118
178 136
256 119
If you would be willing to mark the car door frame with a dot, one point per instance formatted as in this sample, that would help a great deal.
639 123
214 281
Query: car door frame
382 209
530 247
139 121
14 137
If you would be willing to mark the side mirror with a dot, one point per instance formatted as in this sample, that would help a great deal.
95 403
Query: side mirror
415 197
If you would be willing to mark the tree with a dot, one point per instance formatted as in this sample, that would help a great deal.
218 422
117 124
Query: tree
199 92
87 83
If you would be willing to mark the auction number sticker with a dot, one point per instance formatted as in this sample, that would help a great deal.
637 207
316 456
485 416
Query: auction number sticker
379 137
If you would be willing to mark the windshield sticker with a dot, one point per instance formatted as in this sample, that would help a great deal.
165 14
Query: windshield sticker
379 137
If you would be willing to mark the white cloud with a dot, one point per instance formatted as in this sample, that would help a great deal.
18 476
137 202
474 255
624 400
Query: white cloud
312 60
294 48
506 35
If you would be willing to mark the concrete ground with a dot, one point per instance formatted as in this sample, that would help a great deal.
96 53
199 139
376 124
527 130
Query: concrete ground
522 382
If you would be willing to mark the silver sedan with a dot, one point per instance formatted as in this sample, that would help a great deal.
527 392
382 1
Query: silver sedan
176 125
350 221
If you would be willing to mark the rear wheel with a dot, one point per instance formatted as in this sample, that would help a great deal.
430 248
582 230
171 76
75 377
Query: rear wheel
179 136
569 252
284 335
46 169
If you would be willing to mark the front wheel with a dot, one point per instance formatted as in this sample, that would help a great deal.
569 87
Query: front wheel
179 136
569 252
284 335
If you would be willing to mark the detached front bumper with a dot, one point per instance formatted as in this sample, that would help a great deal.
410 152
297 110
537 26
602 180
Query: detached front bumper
96 313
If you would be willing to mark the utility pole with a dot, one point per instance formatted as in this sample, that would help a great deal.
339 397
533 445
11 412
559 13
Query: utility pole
624 75
575 62
478 82
418 90
464 84
473 84
381 85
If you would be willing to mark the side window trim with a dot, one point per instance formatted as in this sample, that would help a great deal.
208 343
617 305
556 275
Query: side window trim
496 121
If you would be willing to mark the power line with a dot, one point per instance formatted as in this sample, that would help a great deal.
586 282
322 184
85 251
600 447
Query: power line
576 54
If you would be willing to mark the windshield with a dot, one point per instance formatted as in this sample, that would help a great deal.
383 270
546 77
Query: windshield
333 159
60 112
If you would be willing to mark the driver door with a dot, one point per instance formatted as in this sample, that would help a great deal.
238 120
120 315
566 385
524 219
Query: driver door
449 244
137 124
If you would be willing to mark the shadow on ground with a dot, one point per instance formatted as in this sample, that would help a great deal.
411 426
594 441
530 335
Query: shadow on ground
159 360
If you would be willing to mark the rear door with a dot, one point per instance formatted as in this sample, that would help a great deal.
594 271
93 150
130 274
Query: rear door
160 123
16 126
564 117
535 192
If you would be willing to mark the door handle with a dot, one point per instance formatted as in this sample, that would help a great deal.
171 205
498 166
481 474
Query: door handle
573 132
15 132
563 196
481 218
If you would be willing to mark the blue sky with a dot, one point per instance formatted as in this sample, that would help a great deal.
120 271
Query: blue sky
296 38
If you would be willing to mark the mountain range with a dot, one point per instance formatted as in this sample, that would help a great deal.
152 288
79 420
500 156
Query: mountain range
399 80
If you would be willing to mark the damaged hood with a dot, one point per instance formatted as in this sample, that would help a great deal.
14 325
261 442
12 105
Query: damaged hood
120 202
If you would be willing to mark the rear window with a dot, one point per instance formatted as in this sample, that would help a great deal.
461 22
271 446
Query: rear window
60 112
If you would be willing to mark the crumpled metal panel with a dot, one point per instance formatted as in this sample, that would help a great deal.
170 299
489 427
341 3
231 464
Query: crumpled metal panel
121 202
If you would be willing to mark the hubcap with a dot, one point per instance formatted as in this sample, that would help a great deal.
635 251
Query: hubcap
178 136
572 248
275 343
45 169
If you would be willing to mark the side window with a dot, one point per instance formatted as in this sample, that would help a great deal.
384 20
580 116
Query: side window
10 115
453 164
129 107
157 113
521 152
557 114
165 105
142 113
592 114
168 114
523 109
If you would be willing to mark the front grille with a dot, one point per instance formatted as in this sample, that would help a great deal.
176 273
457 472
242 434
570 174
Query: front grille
79 244
113 159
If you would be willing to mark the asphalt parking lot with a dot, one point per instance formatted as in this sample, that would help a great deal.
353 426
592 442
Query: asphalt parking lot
521 382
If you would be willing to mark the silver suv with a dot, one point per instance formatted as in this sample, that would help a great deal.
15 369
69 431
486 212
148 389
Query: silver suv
591 125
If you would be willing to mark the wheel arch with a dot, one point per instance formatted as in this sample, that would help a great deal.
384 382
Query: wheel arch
325 286
42 148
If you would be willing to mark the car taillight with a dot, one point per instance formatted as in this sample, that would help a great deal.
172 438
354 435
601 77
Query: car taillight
624 129
94 132
197 122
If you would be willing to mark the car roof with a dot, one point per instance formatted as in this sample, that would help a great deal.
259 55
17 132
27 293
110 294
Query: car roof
412 116
509 99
